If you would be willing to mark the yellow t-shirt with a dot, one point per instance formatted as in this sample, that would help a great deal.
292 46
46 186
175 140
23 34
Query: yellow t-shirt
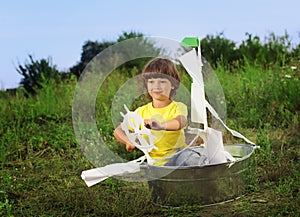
167 142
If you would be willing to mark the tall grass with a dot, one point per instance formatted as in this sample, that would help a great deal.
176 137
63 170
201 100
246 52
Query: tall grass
32 123
256 97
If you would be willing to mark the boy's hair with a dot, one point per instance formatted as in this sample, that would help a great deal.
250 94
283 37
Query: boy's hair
162 68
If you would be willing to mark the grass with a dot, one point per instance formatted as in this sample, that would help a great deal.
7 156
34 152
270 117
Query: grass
41 161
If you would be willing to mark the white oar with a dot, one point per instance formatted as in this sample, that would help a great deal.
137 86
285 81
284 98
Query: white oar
132 121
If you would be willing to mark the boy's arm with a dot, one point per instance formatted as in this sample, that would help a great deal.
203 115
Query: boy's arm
175 124
122 138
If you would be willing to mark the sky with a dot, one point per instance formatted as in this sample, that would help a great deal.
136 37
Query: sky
57 29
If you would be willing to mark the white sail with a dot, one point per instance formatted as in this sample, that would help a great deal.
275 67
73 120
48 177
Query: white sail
193 66
212 138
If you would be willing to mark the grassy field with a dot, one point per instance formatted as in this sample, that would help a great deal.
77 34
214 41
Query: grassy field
41 161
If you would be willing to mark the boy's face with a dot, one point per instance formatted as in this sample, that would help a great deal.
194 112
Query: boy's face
159 88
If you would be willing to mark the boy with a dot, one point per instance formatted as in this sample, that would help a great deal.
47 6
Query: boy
165 117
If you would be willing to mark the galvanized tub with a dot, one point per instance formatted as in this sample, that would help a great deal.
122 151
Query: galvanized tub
203 185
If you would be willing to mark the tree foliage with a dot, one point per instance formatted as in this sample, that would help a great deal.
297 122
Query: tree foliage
37 72
128 35
219 50
89 50
92 48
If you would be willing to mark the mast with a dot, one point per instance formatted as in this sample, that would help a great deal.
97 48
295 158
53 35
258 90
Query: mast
192 62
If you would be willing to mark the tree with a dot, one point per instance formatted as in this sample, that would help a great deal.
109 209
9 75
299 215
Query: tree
129 35
91 48
138 47
219 50
36 72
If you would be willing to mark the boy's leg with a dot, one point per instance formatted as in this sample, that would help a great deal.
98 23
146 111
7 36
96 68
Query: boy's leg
188 157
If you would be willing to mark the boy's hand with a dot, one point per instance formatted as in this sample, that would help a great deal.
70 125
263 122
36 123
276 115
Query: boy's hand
129 147
154 124
122 138
175 124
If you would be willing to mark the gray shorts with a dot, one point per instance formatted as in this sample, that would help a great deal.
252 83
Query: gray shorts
194 156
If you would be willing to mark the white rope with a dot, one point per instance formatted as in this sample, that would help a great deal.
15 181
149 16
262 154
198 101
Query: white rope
233 132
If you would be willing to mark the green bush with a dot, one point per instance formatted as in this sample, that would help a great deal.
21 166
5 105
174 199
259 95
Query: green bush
37 73
274 50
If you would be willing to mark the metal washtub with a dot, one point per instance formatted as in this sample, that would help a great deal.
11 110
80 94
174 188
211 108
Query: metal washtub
203 185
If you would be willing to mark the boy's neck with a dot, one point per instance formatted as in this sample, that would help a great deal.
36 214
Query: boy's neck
161 104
